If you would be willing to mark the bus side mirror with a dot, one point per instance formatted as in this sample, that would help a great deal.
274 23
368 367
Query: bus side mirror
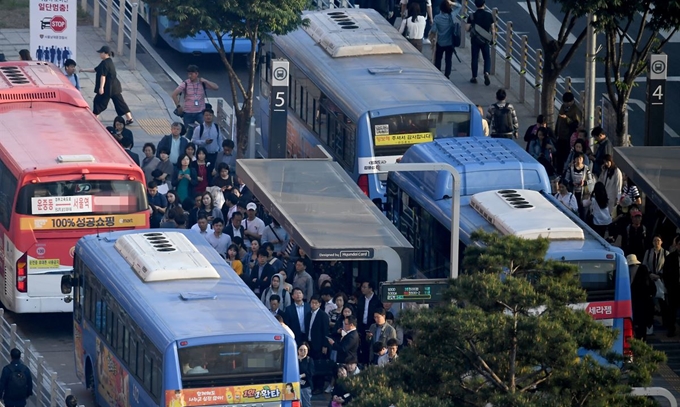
66 284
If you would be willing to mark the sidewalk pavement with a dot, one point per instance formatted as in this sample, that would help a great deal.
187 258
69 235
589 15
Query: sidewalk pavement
151 106
152 109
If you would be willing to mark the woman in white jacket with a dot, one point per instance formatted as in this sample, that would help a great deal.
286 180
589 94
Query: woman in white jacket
413 26
612 179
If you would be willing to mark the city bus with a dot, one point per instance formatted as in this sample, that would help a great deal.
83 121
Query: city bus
196 45
504 190
62 176
160 319
359 89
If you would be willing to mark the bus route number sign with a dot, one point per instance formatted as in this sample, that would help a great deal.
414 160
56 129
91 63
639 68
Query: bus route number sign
427 291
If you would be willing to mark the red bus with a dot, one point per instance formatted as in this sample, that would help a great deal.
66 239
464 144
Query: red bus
62 176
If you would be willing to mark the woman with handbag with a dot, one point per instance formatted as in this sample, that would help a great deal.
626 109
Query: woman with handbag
413 27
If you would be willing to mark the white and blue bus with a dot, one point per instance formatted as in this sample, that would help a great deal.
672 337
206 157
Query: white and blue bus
160 319
504 190
363 92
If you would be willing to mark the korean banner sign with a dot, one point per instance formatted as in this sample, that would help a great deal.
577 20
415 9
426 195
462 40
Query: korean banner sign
53 30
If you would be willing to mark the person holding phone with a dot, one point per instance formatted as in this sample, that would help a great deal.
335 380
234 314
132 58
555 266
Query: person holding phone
207 135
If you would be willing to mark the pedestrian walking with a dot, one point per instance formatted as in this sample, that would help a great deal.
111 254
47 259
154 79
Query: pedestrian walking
413 27
107 86
502 117
443 28
16 383
481 28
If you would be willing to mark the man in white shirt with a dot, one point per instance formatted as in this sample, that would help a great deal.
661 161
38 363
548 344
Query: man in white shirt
253 226
202 226
70 72
218 240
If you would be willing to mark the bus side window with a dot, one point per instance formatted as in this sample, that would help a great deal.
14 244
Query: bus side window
8 186
133 354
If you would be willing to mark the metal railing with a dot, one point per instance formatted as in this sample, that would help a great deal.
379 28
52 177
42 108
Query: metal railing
517 55
127 25
47 391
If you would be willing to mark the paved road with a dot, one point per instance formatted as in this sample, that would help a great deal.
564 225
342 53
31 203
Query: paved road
515 11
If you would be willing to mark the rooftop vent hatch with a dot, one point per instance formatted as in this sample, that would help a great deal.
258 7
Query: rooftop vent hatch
164 256
348 33
526 214
76 158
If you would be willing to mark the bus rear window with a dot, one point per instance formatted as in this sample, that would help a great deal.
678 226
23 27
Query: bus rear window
231 364
393 135
598 278
97 197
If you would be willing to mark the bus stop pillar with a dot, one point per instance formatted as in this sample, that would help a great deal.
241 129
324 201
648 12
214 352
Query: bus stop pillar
455 200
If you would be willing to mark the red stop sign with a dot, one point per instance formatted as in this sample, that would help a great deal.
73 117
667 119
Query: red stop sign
58 24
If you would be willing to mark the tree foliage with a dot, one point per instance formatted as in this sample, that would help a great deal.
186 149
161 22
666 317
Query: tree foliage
631 29
557 54
250 19
509 338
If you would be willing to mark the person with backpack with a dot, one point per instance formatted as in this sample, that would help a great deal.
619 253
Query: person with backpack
481 27
16 383
447 32
195 93
207 134
502 117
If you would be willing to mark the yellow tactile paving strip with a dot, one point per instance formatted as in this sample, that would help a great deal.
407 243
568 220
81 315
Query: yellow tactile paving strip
154 127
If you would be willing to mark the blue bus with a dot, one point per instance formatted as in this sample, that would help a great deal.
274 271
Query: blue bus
198 44
504 190
160 319
359 89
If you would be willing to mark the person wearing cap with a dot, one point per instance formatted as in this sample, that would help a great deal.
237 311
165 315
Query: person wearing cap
253 226
634 236
107 86
194 91
633 264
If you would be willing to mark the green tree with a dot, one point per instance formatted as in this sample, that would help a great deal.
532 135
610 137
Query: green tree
508 339
631 29
251 19
557 54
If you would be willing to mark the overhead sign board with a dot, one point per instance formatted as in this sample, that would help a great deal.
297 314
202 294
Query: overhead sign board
428 291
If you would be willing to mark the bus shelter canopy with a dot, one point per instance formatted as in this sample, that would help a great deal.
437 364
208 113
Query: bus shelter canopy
325 212
655 170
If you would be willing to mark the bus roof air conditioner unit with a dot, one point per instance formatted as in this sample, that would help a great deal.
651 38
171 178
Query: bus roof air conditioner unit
348 33
164 256
525 213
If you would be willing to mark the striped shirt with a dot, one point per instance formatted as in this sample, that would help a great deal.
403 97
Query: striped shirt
194 96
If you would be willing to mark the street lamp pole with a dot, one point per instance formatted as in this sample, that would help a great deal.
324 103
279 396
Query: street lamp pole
455 200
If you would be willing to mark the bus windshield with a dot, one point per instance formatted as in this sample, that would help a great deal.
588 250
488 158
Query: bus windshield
598 278
95 197
229 364
393 135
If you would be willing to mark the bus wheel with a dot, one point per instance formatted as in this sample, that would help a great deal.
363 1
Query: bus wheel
89 377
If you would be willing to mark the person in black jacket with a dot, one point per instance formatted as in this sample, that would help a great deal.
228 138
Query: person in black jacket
340 395
16 383
349 344
368 304
261 273
306 365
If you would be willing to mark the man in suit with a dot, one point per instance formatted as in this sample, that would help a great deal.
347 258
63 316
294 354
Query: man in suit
367 306
127 145
295 316
175 142
261 273
349 344
671 279
234 228
317 323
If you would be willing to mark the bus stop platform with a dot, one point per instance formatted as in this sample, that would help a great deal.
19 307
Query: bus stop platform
326 213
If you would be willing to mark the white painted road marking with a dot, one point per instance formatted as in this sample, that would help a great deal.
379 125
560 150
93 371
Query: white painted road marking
641 104
552 24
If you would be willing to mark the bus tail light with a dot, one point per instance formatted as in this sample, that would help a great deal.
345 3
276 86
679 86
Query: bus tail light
296 403
627 334
363 183
22 274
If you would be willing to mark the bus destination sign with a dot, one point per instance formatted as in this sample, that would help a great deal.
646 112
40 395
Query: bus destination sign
429 291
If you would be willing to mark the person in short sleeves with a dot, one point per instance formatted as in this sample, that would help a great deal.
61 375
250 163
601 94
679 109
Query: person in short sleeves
107 86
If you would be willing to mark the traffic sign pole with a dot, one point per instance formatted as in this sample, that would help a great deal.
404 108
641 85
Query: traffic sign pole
657 74
278 114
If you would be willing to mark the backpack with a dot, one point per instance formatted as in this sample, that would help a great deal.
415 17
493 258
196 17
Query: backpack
502 119
421 3
17 384
200 132
455 32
